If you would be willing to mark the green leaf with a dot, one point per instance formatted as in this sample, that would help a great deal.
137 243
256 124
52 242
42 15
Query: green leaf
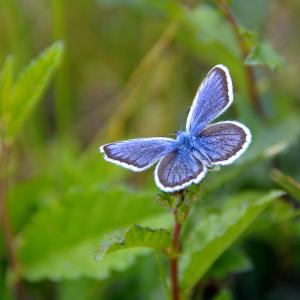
231 261
136 236
250 37
216 231
287 183
265 55
80 262
206 27
61 239
279 211
6 83
30 85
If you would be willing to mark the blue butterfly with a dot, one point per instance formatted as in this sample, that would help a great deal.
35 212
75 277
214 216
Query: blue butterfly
202 146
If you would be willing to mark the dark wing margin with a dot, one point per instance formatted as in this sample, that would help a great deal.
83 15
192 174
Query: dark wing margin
177 170
213 97
137 154
224 142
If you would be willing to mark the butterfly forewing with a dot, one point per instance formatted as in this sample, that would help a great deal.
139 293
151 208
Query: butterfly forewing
224 142
137 154
213 97
178 170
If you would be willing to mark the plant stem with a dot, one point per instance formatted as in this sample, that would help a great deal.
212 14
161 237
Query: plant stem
249 71
63 97
6 225
180 212
174 260
3 209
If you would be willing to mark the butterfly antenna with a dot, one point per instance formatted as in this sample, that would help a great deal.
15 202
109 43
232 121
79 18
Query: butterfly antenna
170 134
182 127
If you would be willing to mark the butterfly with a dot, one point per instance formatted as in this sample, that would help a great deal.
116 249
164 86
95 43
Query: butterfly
202 146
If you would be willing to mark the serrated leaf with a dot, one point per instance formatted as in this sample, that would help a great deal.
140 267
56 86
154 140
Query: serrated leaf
80 262
265 55
287 183
30 85
66 232
136 236
216 231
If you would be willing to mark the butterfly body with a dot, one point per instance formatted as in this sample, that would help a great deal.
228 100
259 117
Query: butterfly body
192 144
202 147
185 140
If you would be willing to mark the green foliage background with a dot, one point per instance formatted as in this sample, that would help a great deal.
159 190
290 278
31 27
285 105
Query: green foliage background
77 74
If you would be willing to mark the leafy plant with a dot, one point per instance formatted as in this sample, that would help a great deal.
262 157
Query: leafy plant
217 231
48 256
264 54
18 98
129 70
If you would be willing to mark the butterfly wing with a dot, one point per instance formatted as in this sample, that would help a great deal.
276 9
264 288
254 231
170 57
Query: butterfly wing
178 170
224 142
137 154
213 97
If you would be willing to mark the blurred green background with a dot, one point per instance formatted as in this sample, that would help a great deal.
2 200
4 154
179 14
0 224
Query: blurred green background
130 68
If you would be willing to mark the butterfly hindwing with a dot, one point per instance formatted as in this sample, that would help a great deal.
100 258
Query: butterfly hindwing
137 154
213 97
178 170
224 142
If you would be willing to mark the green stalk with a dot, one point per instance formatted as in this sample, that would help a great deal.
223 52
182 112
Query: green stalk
63 102
6 227
249 71
180 213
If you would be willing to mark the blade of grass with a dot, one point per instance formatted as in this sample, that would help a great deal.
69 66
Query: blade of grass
287 183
